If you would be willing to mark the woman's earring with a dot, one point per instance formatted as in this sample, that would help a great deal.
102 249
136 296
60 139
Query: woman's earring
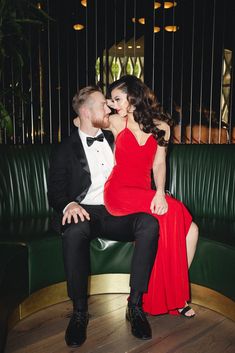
132 108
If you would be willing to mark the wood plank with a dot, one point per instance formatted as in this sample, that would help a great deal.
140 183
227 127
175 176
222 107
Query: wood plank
109 332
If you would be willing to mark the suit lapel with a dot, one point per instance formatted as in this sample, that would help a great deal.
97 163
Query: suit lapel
79 151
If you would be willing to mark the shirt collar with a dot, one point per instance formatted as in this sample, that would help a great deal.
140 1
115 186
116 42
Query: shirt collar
83 135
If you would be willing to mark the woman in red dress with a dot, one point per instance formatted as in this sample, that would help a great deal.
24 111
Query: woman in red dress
141 134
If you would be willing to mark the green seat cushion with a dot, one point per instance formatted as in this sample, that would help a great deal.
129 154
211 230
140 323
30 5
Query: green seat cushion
45 257
44 249
110 256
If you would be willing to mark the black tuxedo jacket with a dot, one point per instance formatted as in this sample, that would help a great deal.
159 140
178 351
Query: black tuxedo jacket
69 174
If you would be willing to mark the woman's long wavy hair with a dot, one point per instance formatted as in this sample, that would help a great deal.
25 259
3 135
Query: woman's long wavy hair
147 109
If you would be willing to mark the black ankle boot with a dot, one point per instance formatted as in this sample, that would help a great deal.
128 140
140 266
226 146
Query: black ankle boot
75 334
140 327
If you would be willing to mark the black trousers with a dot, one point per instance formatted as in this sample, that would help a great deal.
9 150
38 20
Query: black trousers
140 227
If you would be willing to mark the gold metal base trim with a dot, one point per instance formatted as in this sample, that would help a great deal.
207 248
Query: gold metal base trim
213 300
115 283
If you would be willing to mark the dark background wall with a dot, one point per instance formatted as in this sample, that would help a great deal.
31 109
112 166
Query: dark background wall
184 68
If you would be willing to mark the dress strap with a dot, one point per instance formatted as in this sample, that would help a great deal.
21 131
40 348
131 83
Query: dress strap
126 122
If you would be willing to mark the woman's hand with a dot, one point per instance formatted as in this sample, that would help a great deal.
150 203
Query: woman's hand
110 103
158 204
162 125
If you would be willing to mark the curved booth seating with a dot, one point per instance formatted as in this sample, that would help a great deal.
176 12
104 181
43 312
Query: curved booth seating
31 265
203 178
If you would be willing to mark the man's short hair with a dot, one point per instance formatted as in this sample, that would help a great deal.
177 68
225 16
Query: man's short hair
81 97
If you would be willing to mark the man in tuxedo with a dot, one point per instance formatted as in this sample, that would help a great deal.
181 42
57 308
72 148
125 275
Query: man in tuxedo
78 171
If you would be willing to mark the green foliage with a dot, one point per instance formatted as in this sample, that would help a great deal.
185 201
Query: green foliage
5 121
15 16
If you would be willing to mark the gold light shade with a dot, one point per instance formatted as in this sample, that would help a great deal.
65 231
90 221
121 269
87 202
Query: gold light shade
78 27
157 5
169 4
142 20
171 28
84 3
133 19
156 29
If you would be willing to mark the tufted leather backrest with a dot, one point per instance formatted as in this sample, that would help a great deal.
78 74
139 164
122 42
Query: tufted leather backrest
203 177
23 181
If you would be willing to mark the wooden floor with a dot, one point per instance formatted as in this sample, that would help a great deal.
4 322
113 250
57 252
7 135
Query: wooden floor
108 331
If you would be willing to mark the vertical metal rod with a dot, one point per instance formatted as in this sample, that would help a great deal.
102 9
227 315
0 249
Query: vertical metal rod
154 39
68 81
115 37
163 54
124 39
22 108
87 29
172 61
181 88
49 75
13 103
212 71
59 85
202 69
31 90
192 67
106 46
221 76
96 36
134 41
40 85
77 58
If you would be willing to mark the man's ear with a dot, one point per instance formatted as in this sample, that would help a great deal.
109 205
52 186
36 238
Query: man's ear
85 112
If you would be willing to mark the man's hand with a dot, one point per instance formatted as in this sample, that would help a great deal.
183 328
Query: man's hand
75 211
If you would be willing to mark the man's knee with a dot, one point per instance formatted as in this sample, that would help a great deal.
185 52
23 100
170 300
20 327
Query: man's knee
148 225
76 232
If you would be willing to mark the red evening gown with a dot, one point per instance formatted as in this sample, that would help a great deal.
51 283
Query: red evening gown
128 190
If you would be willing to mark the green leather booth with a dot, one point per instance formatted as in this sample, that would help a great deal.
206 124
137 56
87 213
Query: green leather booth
202 176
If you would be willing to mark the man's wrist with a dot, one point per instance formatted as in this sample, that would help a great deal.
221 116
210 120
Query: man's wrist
64 210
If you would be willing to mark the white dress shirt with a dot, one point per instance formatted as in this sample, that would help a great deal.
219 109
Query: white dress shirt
100 161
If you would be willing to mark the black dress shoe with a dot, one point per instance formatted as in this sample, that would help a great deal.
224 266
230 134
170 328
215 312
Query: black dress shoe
140 327
75 334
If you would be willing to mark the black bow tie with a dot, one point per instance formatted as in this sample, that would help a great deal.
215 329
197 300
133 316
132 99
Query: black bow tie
90 140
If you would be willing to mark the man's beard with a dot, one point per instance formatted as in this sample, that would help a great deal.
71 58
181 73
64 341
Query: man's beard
102 123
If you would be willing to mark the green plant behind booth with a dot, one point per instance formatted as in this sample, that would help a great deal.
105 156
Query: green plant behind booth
202 176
